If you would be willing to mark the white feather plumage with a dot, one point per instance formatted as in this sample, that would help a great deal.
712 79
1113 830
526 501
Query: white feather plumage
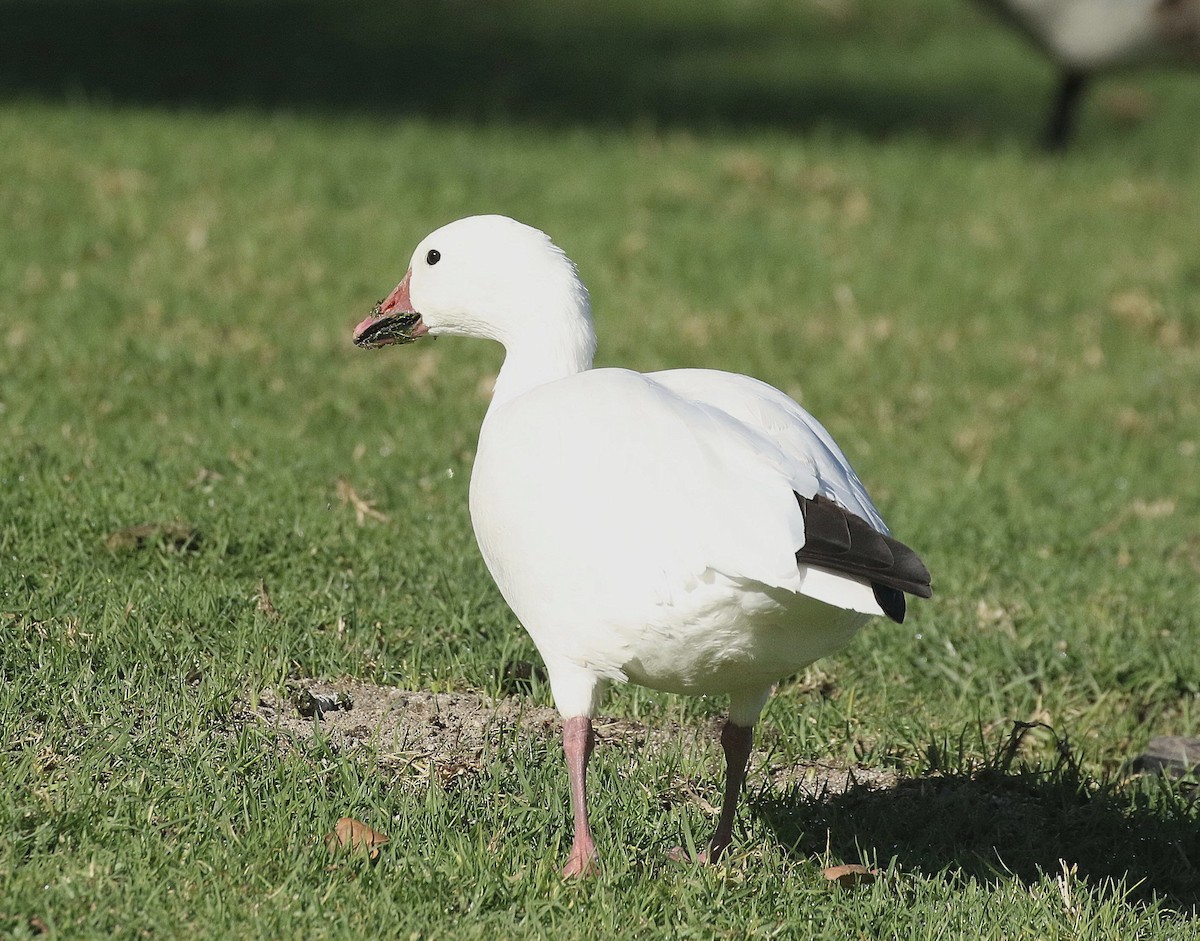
643 528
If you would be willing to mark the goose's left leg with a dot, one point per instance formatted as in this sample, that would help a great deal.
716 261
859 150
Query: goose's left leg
736 741
737 738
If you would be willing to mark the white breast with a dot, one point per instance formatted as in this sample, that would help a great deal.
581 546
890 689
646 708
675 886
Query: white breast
640 535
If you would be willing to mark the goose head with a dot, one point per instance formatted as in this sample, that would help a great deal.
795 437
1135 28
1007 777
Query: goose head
483 276
494 278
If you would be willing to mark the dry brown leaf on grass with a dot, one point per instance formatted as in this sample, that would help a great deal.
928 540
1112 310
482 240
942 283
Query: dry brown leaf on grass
362 509
850 875
265 605
684 791
1128 104
351 835
176 536
1137 508
204 478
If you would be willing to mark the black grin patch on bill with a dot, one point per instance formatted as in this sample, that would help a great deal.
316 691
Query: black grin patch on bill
389 328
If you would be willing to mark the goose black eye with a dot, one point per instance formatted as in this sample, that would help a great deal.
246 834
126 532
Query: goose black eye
433 257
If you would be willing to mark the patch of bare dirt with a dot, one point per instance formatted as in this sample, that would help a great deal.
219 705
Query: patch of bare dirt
422 729
819 779
446 735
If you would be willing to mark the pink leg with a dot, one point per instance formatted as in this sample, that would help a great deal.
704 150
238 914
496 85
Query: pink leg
578 740
736 740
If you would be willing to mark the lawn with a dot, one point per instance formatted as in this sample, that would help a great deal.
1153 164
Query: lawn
842 198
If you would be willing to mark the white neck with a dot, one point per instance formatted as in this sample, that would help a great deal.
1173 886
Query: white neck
533 359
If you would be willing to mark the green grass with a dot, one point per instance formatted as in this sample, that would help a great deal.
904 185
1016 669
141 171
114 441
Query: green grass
842 201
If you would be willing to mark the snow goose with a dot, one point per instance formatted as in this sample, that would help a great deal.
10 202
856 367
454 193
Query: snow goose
1083 37
692 531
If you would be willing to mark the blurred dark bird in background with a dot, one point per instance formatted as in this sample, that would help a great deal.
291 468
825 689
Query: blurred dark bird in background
1084 37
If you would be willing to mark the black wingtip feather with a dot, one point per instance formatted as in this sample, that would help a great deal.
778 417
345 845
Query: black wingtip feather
841 541
891 600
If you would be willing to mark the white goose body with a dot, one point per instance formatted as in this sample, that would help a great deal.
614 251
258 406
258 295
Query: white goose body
692 531
653 538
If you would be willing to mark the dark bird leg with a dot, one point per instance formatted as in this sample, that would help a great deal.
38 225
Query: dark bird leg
737 741
1066 107
578 741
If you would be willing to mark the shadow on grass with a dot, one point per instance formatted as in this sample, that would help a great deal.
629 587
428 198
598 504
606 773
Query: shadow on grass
792 66
997 823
